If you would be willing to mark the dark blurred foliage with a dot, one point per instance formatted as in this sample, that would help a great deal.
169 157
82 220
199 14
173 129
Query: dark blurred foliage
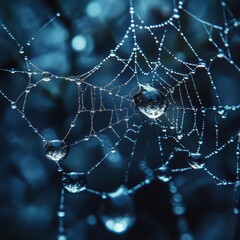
30 184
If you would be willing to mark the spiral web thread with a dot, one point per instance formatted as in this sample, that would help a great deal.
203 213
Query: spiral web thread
191 120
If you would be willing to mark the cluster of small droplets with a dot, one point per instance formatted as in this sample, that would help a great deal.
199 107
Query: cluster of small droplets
153 102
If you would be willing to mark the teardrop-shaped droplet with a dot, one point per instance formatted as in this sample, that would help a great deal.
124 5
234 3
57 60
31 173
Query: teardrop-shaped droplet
150 101
46 77
163 173
56 150
196 160
117 213
74 182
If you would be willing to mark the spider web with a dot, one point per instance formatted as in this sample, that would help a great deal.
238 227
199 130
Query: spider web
102 120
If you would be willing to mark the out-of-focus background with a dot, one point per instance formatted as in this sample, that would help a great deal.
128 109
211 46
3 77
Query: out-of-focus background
70 45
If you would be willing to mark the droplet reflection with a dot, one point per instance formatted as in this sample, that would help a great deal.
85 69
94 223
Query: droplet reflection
56 150
150 101
74 182
118 213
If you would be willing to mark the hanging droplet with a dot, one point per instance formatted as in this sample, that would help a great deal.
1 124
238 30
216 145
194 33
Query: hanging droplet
196 160
113 150
222 112
220 53
13 105
21 50
179 135
73 124
13 70
117 214
61 213
112 53
61 237
200 140
46 77
56 150
235 210
150 101
74 182
163 173
202 63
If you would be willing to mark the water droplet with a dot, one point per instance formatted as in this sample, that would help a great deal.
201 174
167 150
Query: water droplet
113 150
91 220
179 210
46 77
13 70
27 90
74 182
235 211
104 195
117 213
21 50
86 138
177 16
196 160
150 101
13 105
61 237
220 53
163 173
56 150
61 213
72 124
222 112
202 63
179 135
200 140
112 53
131 10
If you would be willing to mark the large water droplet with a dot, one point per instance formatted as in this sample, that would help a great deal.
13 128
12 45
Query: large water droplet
150 101
163 173
74 182
56 150
196 160
118 213
46 77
